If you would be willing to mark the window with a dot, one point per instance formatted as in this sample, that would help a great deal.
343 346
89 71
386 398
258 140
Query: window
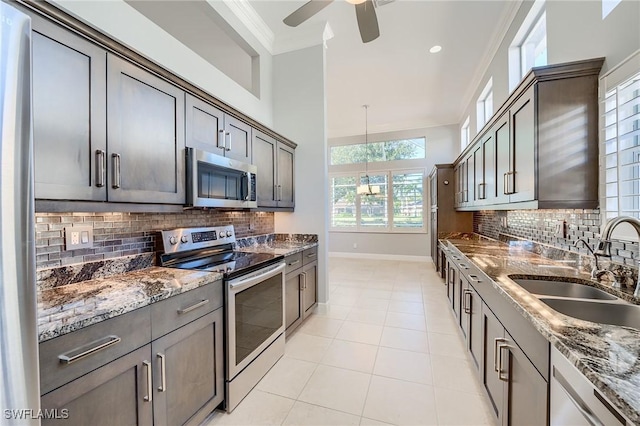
397 208
396 167
620 151
404 149
484 106
465 135
529 46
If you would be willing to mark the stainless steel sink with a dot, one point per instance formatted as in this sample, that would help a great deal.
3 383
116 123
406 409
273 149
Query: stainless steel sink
600 312
562 289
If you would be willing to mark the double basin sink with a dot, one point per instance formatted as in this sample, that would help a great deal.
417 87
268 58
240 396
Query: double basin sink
581 301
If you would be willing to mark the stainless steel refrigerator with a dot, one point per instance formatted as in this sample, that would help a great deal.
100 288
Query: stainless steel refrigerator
19 388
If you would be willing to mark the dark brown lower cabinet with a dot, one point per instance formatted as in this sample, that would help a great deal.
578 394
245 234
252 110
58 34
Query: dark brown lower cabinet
188 371
301 287
119 393
517 391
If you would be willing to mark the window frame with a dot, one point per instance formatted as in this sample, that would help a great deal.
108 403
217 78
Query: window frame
390 228
517 70
465 133
618 76
482 112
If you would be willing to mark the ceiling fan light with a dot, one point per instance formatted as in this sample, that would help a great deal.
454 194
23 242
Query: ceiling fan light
355 1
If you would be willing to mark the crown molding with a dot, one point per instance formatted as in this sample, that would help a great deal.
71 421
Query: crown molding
248 16
504 23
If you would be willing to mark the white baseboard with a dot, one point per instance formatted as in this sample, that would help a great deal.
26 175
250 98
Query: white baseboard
377 256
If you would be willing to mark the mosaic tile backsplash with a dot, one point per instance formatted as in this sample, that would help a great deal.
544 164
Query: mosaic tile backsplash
542 226
126 234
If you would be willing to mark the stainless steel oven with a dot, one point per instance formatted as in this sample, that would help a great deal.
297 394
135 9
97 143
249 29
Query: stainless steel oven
254 300
216 181
255 328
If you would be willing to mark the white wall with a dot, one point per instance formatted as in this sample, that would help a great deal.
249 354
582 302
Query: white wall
299 112
442 147
125 24
575 31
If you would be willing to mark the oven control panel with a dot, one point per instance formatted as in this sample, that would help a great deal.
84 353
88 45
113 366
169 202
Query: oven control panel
184 239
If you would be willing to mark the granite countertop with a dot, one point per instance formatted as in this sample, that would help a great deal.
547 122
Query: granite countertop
285 248
70 307
608 355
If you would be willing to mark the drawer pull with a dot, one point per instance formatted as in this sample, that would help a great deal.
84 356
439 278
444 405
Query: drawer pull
163 373
149 396
312 254
474 278
464 266
294 262
88 349
192 307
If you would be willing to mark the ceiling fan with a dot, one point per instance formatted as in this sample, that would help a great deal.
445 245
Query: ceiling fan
365 14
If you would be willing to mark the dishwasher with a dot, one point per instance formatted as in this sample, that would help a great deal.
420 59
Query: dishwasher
574 399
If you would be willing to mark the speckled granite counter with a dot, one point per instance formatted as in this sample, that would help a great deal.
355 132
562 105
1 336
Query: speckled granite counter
283 244
70 307
608 355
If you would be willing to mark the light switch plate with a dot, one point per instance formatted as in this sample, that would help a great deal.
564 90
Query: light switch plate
78 237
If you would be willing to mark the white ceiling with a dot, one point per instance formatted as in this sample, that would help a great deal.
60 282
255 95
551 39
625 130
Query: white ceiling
405 86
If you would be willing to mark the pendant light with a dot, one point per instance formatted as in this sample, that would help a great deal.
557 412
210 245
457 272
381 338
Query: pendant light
366 188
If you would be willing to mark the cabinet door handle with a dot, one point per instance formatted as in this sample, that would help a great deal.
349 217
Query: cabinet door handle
100 166
495 352
482 191
220 142
474 278
115 170
504 184
279 192
163 373
88 349
149 396
227 141
304 280
192 307
502 375
466 306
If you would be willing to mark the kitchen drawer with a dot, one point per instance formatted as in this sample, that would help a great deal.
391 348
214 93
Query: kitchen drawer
310 255
293 261
179 310
62 359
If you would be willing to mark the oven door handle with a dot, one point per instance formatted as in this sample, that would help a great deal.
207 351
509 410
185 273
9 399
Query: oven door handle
252 279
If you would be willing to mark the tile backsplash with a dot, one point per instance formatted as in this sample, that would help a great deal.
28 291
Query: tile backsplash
541 226
124 234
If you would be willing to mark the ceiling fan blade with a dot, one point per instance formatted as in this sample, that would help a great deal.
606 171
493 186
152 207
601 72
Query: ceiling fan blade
367 21
305 12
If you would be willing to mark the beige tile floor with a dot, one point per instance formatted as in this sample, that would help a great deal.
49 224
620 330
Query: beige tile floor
386 351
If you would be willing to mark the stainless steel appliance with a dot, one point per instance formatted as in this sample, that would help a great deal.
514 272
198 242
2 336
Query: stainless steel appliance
254 300
19 386
575 401
216 181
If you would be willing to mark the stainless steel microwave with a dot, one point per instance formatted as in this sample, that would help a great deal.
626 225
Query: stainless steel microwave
216 181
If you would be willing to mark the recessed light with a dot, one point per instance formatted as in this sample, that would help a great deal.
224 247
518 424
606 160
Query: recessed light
435 49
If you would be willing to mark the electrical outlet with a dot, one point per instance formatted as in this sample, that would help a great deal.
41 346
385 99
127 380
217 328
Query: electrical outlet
561 229
78 237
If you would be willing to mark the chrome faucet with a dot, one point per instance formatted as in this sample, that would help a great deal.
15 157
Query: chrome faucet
596 268
604 245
